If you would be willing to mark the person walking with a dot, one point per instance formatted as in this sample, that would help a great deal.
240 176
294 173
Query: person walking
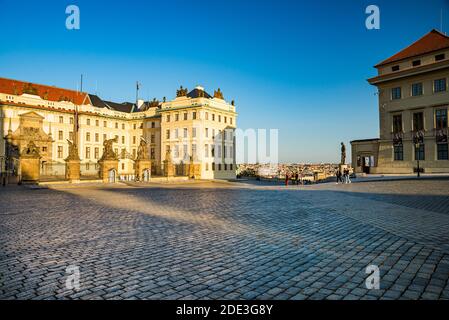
338 174
348 180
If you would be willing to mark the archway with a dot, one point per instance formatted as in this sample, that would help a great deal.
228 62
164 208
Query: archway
112 175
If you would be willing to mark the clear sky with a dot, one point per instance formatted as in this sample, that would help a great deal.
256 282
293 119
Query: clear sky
298 66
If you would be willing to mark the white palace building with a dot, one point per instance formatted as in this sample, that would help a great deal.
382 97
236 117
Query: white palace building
195 127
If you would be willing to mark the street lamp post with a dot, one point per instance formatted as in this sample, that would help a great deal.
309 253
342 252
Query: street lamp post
417 145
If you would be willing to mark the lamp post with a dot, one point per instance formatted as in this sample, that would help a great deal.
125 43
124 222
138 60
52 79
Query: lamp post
417 154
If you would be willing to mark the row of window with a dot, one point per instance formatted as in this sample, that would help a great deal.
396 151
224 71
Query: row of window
225 134
418 120
439 85
219 166
105 123
194 116
417 62
96 154
442 152
226 151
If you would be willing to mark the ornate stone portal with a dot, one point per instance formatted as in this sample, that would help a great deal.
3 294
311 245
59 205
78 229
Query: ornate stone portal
29 164
143 162
109 162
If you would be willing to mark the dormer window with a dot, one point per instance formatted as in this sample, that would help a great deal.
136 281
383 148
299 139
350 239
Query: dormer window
440 57
416 63
395 68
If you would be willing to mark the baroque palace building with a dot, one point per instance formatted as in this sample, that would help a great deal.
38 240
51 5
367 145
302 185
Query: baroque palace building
194 128
413 108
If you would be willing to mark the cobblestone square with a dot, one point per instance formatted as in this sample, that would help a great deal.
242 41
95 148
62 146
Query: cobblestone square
214 240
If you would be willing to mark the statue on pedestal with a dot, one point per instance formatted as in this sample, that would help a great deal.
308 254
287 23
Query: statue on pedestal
142 150
108 153
343 153
73 151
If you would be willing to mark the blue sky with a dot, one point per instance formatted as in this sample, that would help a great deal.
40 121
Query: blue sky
299 66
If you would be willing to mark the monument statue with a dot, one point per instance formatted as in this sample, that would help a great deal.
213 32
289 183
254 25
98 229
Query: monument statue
343 153
108 153
142 150
181 92
31 150
218 94
73 151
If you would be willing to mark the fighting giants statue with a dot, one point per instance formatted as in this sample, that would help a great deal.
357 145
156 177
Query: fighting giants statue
108 152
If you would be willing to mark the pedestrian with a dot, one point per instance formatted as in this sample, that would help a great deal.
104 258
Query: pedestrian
338 174
348 180
297 178
286 179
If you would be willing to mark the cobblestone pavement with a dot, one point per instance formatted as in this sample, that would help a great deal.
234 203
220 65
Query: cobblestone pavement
226 241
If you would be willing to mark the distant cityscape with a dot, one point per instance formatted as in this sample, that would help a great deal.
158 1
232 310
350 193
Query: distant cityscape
307 171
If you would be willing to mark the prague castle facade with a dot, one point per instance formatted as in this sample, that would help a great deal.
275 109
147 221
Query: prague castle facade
413 111
195 127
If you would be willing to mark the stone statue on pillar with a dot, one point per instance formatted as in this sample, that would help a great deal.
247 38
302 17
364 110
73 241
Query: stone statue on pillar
143 162
72 169
343 153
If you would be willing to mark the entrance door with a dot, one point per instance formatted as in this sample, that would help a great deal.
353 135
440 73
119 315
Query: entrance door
111 175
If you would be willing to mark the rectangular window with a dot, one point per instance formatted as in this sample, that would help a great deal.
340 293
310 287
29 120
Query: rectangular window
441 118
61 119
105 124
185 151
206 150
123 126
123 153
60 152
105 137
419 152
225 120
439 85
213 117
70 120
207 132
116 125
153 125
416 63
230 166
97 137
418 121
397 123
60 135
88 122
168 118
212 150
152 153
193 150
440 57
176 133
134 139
176 151
177 117
230 120
395 68
185 115
219 118
213 166
97 123
134 153
442 153
87 152
152 138
219 167
207 116
185 132
193 132
87 136
194 115
417 89
71 136
96 153
396 93
167 134
398 152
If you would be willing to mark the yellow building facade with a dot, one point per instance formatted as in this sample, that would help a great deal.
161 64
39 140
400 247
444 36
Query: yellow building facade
51 117
413 98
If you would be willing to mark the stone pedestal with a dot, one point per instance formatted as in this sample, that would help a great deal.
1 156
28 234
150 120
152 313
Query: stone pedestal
342 167
141 166
30 171
108 170
196 171
169 170
72 170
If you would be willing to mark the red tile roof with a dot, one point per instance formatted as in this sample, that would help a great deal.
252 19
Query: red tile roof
433 41
50 93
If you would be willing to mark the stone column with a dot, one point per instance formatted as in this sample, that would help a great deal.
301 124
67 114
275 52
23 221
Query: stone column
141 166
29 164
106 166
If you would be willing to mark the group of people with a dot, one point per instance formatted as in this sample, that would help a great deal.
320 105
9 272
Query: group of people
343 177
294 177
